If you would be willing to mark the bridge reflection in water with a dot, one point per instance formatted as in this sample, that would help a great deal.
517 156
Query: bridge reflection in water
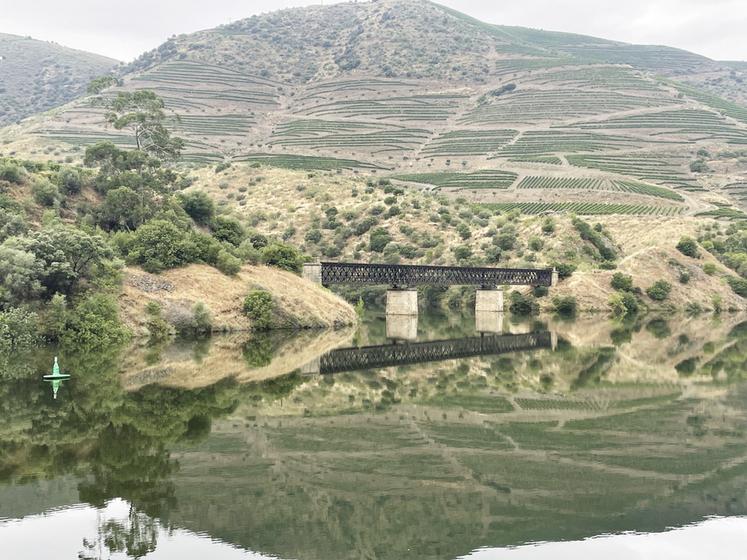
389 355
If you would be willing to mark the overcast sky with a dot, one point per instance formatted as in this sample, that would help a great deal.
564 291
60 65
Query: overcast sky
123 30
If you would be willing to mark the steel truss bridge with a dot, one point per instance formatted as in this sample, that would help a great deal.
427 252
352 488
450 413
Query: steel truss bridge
388 355
406 275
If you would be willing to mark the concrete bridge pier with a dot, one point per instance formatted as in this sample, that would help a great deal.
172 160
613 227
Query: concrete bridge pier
312 368
489 299
489 322
402 327
313 272
402 302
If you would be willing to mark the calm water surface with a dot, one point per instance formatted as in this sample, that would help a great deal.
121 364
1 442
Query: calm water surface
449 437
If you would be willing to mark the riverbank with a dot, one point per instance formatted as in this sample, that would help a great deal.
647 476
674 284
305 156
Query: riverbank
296 303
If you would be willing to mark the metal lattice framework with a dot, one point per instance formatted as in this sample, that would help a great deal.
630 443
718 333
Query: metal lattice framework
352 359
401 275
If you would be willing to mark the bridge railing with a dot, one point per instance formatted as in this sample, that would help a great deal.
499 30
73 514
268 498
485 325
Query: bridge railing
419 275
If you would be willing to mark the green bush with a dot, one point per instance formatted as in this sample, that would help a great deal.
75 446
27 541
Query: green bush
709 268
461 252
379 239
622 282
259 307
623 304
738 285
600 241
548 226
659 290
227 263
521 304
565 305
688 247
228 230
11 173
536 244
45 193
69 180
282 256
313 236
565 270
199 206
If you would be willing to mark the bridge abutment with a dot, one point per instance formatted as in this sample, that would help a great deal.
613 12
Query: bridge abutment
489 301
402 302
313 272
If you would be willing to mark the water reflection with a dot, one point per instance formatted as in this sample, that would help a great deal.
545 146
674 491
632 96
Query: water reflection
226 444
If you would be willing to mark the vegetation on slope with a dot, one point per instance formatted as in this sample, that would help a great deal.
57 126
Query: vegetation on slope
39 75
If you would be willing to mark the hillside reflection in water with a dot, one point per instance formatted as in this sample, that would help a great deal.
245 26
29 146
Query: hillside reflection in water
551 431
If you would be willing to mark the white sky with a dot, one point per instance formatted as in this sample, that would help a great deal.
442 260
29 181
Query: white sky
125 29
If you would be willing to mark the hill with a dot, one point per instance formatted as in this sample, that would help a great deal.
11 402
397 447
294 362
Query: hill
538 120
39 75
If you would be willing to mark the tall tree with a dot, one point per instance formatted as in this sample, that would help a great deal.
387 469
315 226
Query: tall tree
142 112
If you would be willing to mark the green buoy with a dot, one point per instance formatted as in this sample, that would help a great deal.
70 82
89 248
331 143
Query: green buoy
56 377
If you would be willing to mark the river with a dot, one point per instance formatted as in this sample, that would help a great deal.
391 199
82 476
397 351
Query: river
447 436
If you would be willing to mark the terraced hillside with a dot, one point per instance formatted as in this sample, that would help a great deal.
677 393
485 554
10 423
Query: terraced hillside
409 88
38 75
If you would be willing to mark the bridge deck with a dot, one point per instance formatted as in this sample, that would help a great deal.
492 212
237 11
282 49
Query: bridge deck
352 359
401 275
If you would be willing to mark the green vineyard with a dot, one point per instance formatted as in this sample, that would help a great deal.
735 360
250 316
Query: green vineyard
537 142
585 208
468 143
486 179
595 183
305 162
433 107
660 168
699 124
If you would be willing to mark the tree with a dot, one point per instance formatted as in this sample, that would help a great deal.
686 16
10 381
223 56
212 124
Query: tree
142 112
380 238
228 229
67 255
160 245
20 275
123 208
258 306
97 85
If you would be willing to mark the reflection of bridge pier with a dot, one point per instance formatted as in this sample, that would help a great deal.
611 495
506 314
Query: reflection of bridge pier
489 322
402 327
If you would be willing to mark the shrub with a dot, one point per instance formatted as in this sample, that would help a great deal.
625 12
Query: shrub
623 304
202 322
521 304
564 269
688 247
199 206
548 226
158 328
379 239
659 290
45 193
738 285
709 268
227 263
622 282
464 231
259 307
69 180
11 173
684 277
227 229
282 256
565 305
596 238
462 252
535 244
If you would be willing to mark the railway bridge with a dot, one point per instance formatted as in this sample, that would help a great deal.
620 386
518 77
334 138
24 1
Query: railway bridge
403 279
